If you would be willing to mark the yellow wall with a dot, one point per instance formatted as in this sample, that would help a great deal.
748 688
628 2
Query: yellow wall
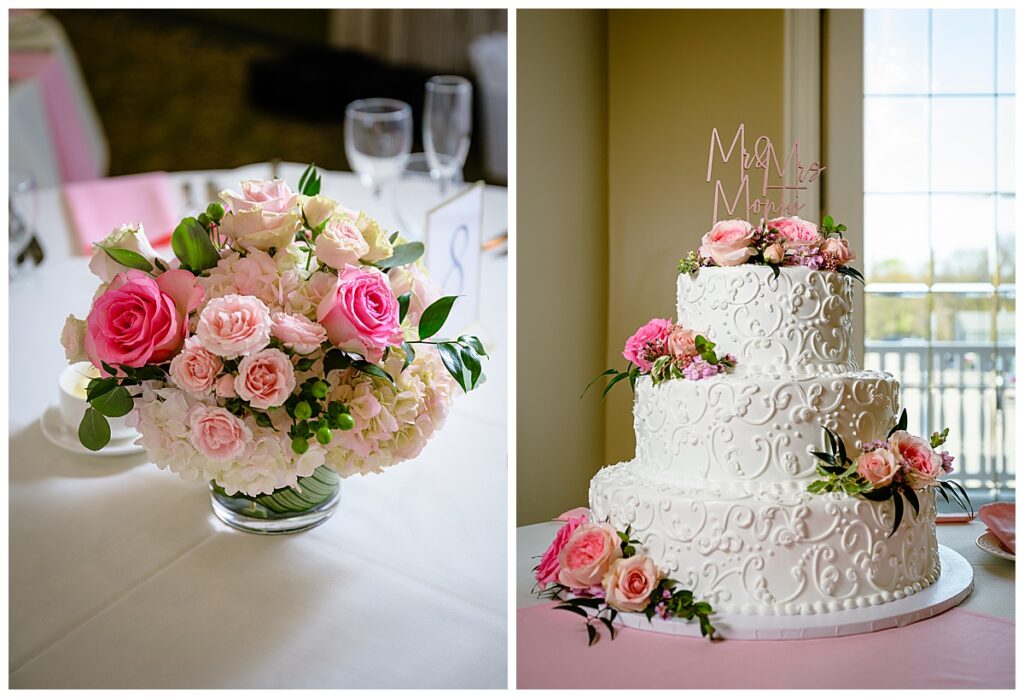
562 253
615 112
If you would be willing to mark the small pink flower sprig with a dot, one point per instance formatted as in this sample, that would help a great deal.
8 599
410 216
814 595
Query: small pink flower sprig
776 243
667 351
596 572
894 468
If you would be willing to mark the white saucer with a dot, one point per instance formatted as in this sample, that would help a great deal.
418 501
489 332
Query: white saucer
988 542
58 433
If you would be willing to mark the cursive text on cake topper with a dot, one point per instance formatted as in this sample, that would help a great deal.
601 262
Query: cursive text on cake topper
788 178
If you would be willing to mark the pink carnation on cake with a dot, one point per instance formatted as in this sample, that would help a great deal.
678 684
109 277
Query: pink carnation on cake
794 229
656 329
547 571
729 243
234 325
297 332
139 319
922 463
216 433
360 313
629 583
878 466
265 379
195 369
587 556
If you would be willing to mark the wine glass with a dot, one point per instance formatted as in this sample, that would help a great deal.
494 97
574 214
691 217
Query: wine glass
447 124
378 139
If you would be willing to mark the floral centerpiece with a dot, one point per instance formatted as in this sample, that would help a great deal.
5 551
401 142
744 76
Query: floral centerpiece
895 468
665 351
596 572
291 342
775 243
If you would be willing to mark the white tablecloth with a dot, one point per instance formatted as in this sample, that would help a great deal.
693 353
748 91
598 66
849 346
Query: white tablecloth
120 576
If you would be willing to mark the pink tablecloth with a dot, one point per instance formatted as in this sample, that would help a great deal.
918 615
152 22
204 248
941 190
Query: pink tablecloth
957 649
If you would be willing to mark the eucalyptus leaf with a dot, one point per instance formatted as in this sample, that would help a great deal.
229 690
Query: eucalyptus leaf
435 316
114 403
93 431
402 255
127 258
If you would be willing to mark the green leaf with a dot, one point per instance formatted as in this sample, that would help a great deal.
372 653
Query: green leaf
609 372
336 360
127 258
393 237
828 222
474 341
410 354
262 418
191 244
98 386
775 270
471 361
403 305
824 457
572 609
900 425
816 486
309 182
159 265
310 492
149 373
897 501
373 370
114 403
402 255
435 316
453 362
304 364
912 498
93 431
591 635
613 381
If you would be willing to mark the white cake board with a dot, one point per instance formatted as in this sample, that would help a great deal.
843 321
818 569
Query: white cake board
955 583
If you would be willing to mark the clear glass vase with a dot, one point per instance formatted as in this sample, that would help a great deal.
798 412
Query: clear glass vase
287 510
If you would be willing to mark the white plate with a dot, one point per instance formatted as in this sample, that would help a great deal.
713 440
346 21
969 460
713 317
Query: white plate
57 433
988 542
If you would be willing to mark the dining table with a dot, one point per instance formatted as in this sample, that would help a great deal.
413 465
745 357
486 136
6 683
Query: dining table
121 576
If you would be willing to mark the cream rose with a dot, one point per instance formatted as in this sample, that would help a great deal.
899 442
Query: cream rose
774 253
728 243
341 243
376 237
263 216
126 237
72 338
630 582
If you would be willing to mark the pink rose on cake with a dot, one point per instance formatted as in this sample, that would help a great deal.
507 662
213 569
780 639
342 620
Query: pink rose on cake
923 464
878 466
360 313
774 253
630 582
795 230
547 571
587 556
139 319
838 251
680 343
729 243
655 330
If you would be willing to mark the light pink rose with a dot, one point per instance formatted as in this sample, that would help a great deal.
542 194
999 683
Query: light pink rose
217 434
341 244
587 555
681 342
410 279
547 570
265 379
774 253
263 216
653 330
794 229
840 247
298 333
923 464
195 369
140 320
728 243
878 466
226 387
233 326
630 582
272 195
360 313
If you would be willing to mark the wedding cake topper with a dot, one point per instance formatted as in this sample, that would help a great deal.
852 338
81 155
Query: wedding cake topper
792 177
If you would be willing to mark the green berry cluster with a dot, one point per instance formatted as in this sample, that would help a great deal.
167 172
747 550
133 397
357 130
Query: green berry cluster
314 416
213 213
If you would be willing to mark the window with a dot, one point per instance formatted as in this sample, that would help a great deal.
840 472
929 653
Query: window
939 229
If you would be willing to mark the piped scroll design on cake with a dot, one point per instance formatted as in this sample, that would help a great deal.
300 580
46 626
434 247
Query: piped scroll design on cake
765 557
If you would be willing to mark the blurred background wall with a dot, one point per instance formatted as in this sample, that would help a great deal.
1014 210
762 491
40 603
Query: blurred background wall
671 77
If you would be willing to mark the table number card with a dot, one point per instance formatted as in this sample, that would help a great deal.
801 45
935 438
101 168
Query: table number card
453 238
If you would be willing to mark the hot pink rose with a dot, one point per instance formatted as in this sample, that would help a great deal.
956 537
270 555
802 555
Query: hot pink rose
728 243
587 555
630 582
233 326
265 379
923 464
656 329
139 319
409 279
226 387
217 434
547 570
360 313
681 342
878 466
297 332
341 244
195 369
795 229
839 247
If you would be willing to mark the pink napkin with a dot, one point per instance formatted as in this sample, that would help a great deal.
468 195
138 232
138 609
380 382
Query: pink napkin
957 649
1001 519
573 514
100 205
